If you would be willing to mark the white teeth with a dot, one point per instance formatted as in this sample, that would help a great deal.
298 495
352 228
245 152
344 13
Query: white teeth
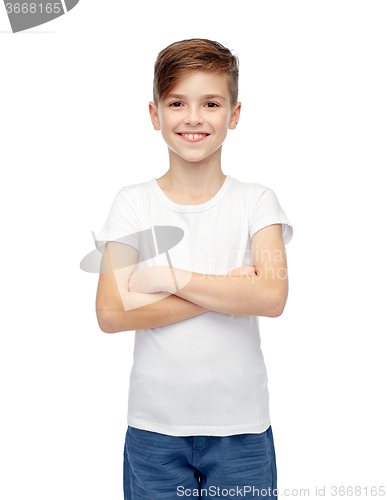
194 136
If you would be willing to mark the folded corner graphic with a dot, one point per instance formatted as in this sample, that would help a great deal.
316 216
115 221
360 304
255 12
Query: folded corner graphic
166 237
23 14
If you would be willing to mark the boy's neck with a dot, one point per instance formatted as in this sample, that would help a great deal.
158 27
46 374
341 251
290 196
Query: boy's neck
193 179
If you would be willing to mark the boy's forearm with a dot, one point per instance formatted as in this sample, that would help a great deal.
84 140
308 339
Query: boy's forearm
241 295
225 294
245 295
155 313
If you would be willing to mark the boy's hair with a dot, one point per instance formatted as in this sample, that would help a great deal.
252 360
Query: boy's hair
180 59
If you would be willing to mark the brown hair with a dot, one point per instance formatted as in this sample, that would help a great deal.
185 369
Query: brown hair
187 56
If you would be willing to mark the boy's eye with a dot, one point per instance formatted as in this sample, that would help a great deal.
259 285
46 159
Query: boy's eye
177 104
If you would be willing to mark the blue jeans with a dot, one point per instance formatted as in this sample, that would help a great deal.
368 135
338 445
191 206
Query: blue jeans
162 467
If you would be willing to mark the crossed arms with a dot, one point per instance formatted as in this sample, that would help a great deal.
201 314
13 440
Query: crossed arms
149 298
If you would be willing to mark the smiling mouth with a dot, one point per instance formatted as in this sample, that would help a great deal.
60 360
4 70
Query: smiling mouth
193 137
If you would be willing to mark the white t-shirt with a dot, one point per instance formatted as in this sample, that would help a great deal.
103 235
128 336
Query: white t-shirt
205 375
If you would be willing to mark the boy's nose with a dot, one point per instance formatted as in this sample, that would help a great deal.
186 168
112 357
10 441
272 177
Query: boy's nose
193 117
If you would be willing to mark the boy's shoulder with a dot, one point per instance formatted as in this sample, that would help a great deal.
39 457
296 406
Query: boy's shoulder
136 186
250 188
133 191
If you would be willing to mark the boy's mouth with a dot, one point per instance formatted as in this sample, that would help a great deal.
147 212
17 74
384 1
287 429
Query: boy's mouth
193 137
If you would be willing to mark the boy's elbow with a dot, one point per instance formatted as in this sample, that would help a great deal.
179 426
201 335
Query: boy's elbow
108 330
276 311
105 323
277 304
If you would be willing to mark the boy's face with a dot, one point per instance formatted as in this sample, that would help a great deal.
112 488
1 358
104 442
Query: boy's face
195 117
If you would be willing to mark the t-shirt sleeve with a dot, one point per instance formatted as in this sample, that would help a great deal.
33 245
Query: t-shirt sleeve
122 222
265 210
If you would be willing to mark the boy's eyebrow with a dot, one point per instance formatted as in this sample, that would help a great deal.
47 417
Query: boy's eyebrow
207 96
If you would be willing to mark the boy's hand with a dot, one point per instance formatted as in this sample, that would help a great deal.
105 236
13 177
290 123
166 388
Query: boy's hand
148 280
156 279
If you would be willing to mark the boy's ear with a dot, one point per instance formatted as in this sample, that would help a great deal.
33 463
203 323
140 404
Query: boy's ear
154 115
235 116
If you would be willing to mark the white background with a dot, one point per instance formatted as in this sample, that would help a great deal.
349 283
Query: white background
75 128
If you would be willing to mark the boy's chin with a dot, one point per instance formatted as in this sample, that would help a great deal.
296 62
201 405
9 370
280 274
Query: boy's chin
192 158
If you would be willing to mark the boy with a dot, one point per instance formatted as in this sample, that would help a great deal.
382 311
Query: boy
198 415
